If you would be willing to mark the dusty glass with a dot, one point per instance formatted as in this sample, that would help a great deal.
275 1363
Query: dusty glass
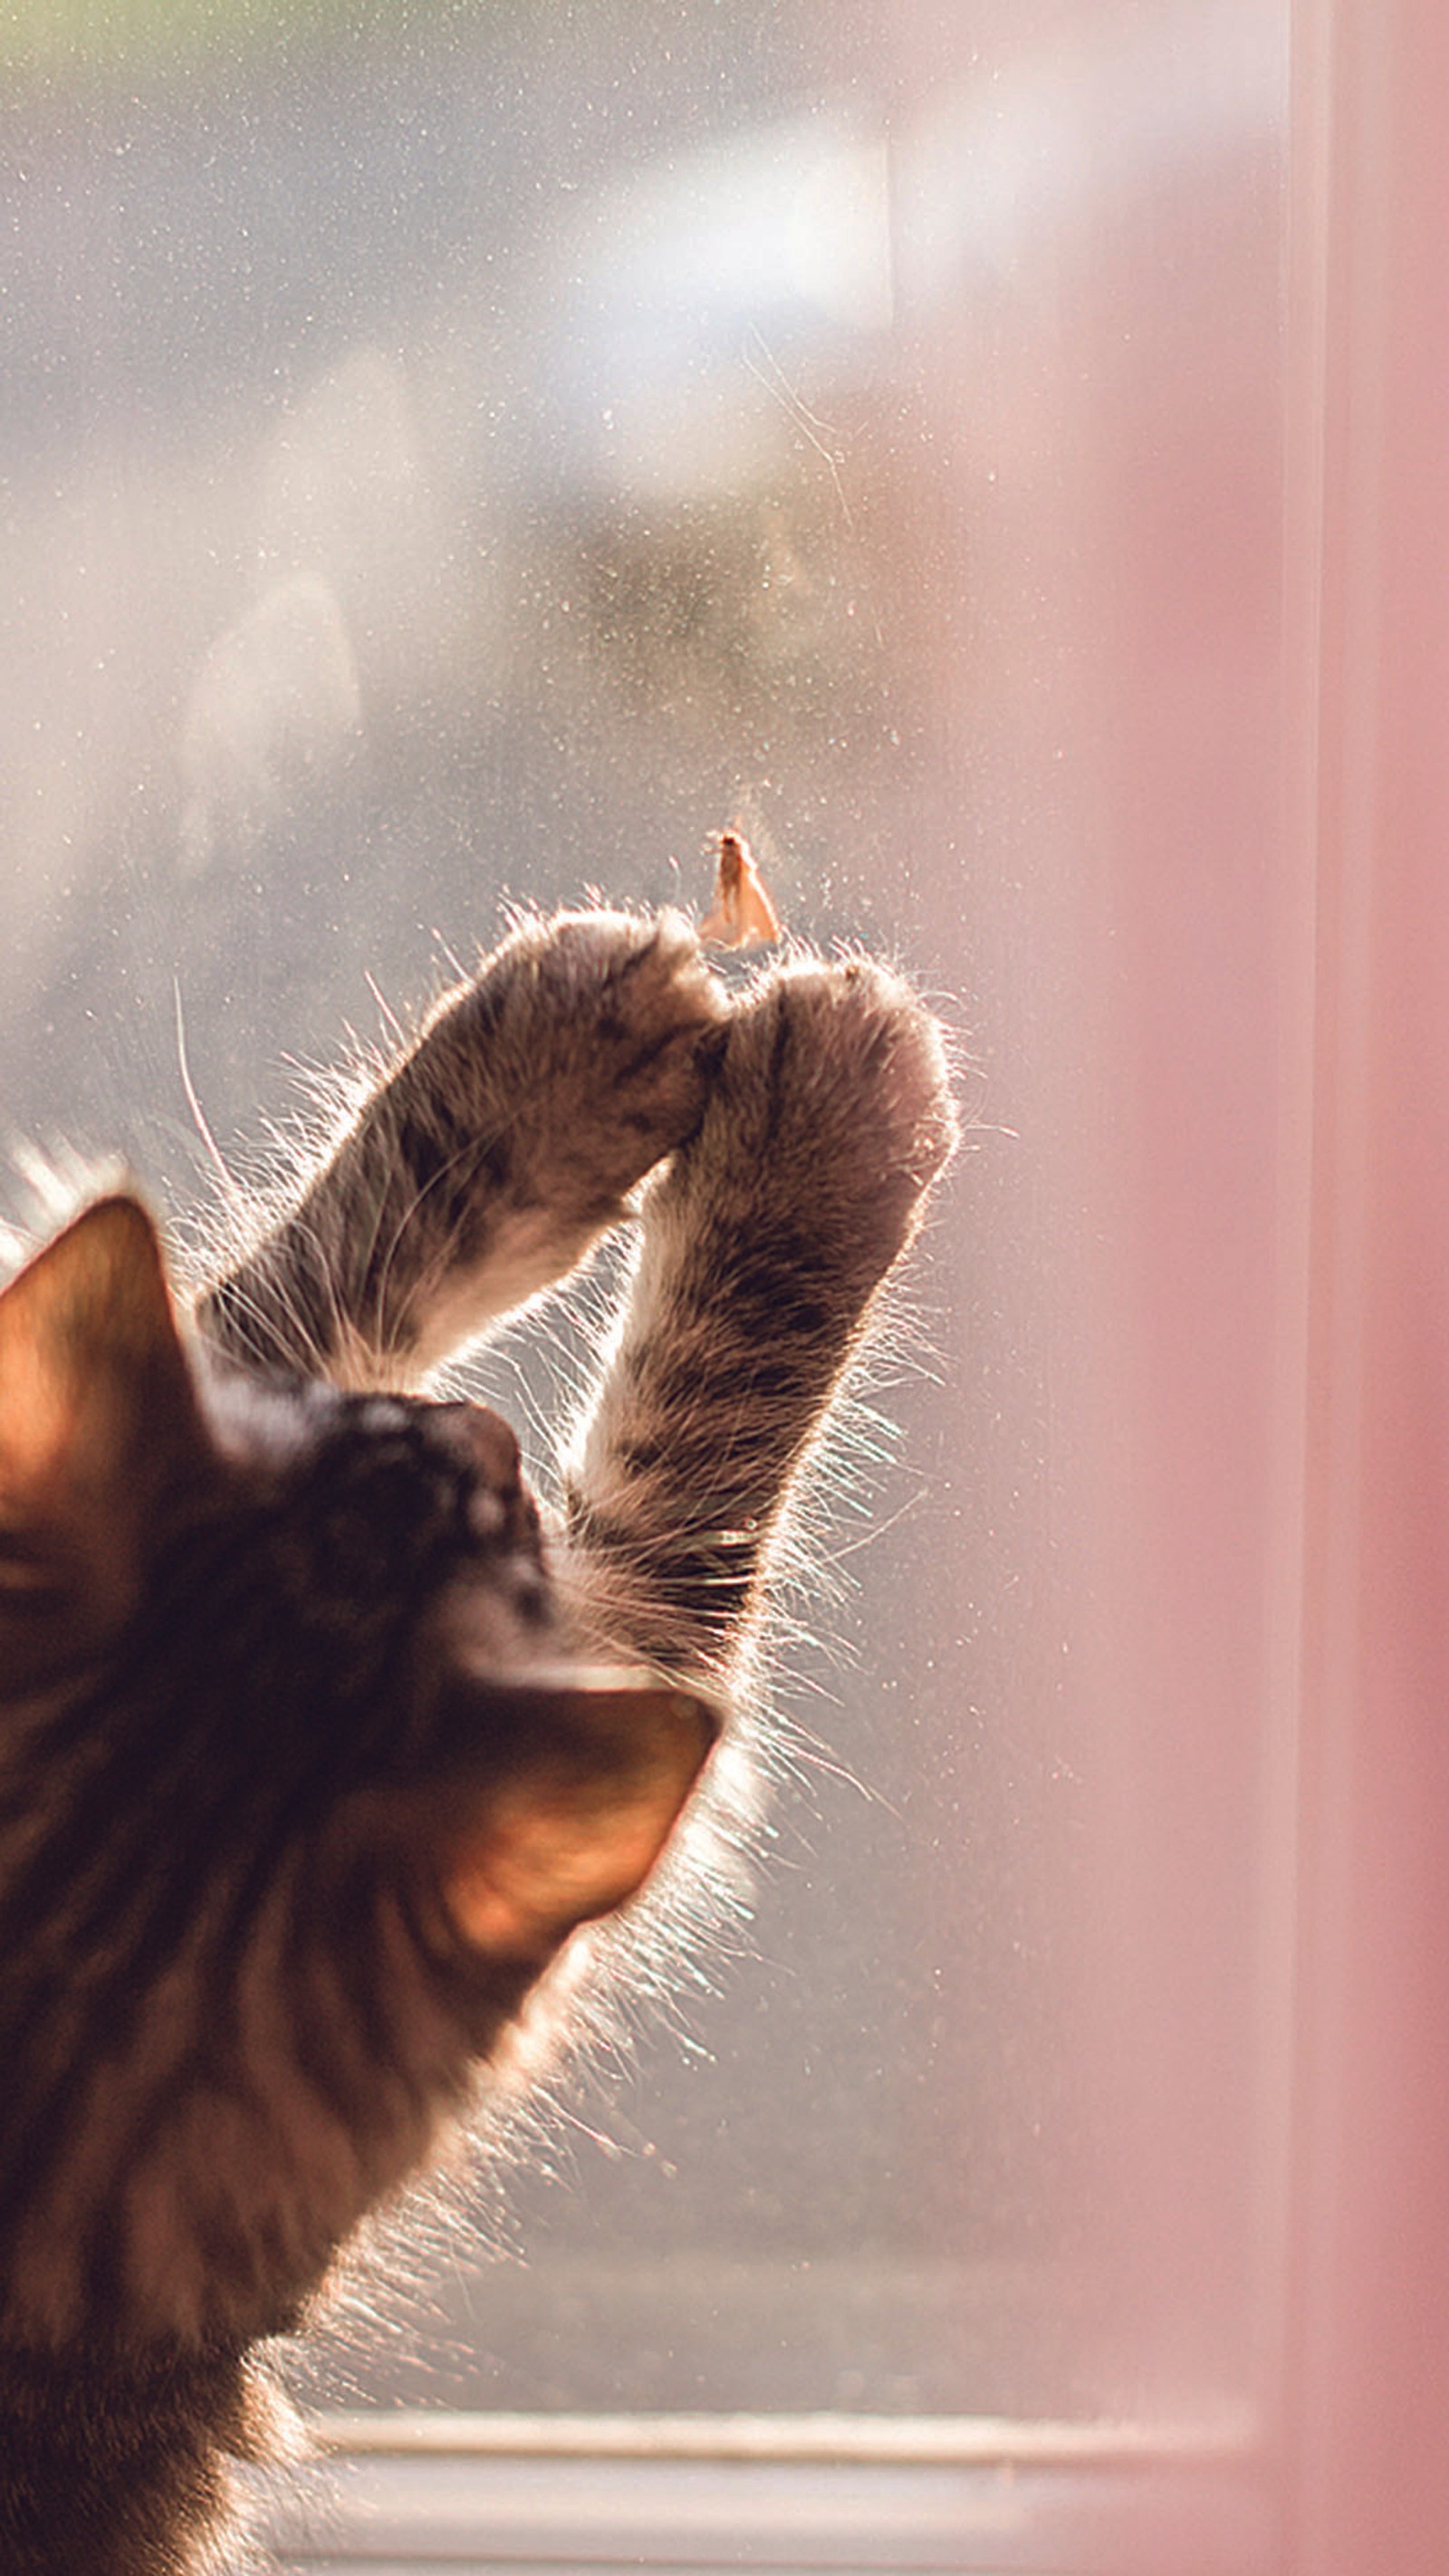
459 454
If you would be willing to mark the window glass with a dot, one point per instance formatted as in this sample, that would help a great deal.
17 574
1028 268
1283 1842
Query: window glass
462 453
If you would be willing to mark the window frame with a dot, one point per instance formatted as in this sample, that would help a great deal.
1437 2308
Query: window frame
423 2492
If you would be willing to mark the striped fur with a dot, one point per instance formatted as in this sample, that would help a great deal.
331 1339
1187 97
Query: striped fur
315 1751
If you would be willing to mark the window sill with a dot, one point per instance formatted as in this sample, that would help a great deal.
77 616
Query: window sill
431 2493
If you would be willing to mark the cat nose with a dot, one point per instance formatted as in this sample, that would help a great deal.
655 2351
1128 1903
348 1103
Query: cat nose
501 1511
490 1443
491 1449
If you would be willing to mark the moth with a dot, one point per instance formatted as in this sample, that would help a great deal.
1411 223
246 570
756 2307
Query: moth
743 915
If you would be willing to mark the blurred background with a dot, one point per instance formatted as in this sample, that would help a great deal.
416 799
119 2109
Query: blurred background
459 453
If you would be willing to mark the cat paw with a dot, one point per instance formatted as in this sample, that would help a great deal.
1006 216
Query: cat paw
605 1031
857 1069
830 1117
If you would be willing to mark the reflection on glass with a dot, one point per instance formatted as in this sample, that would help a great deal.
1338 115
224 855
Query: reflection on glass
477 454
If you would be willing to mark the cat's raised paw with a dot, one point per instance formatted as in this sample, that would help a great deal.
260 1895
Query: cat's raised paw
844 1063
831 1115
609 1025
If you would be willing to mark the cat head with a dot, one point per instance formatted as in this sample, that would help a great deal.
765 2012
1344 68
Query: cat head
301 1788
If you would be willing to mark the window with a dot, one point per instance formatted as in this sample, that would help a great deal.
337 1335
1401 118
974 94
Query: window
462 454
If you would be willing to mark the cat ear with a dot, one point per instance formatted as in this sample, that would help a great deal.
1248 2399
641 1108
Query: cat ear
608 1763
97 1406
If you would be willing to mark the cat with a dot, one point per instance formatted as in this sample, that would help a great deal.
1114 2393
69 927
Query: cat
319 1754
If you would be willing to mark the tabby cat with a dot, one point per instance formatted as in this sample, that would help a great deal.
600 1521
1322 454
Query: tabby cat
316 1751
